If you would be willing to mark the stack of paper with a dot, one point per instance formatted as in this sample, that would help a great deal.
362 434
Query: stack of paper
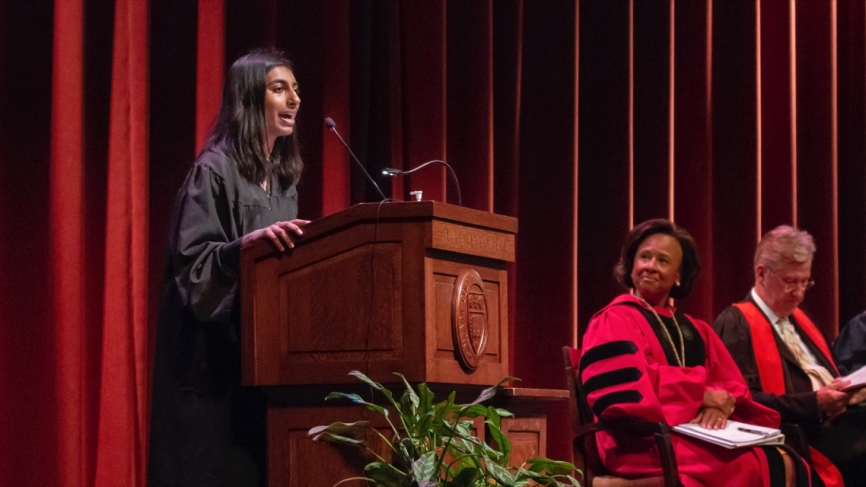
734 434
857 378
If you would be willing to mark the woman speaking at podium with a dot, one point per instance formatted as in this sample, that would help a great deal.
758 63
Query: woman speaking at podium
205 428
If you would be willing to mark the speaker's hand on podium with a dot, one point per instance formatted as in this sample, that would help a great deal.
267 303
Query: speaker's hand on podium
279 234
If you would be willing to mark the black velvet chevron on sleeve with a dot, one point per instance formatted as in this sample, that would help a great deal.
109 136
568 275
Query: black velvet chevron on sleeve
612 378
615 398
605 351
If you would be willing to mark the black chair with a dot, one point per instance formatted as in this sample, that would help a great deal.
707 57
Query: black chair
585 450
583 428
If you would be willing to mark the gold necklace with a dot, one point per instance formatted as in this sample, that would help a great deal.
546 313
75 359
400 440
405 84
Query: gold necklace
680 361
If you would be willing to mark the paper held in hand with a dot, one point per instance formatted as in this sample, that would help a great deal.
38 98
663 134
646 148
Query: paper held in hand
734 434
857 378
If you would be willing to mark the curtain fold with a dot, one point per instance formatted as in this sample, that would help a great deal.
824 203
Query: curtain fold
210 66
67 211
335 88
423 86
124 394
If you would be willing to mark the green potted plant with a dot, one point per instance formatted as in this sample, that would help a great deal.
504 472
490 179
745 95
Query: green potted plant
432 444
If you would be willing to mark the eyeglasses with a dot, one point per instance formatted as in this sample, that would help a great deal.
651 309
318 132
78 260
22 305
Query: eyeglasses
793 284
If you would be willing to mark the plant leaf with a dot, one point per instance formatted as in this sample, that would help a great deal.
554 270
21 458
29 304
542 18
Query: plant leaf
425 427
445 407
491 391
536 476
386 475
504 413
552 467
355 398
410 391
474 410
375 385
542 479
409 402
502 442
431 433
339 427
425 399
572 480
425 467
465 478
500 474
463 429
489 452
493 417
408 450
332 438
409 407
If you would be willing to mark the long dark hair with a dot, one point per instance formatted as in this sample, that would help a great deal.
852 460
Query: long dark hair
689 267
240 127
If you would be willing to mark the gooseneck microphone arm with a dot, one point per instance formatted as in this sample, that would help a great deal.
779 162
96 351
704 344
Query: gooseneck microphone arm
389 171
329 122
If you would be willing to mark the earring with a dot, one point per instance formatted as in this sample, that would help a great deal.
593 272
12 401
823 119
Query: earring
677 284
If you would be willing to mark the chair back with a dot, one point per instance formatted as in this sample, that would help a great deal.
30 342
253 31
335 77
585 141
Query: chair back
584 447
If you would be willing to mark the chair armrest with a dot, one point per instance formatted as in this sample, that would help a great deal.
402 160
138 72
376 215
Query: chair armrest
637 428
795 437
625 427
632 428
586 429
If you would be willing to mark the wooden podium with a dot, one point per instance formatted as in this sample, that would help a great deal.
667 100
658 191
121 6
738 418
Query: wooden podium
419 288
373 288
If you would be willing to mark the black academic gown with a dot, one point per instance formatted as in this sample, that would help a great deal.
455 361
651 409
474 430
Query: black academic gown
842 439
205 428
850 345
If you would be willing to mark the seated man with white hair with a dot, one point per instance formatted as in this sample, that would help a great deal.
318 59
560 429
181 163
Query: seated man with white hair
786 361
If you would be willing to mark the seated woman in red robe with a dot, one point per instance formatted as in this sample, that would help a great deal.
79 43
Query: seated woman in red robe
644 359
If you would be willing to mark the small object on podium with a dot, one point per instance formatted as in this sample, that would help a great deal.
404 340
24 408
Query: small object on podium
391 172
734 434
417 195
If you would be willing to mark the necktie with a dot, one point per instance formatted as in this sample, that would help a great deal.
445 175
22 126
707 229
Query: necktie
819 375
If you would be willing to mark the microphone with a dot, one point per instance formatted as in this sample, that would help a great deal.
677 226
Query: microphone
391 172
329 122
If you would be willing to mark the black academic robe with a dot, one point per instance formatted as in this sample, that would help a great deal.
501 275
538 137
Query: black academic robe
850 345
205 428
842 439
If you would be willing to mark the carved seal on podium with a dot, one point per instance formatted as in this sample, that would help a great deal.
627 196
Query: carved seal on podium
469 324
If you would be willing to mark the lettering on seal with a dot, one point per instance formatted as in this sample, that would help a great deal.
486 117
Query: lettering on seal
469 318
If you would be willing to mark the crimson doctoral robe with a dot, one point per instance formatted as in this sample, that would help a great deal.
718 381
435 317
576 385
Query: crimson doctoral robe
641 383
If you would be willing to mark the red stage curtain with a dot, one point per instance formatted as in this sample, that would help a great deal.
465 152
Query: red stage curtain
74 384
580 118
125 392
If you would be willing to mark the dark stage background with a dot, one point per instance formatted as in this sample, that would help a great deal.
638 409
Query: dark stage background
579 118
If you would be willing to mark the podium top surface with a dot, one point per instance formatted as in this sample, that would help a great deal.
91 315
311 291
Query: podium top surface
399 210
